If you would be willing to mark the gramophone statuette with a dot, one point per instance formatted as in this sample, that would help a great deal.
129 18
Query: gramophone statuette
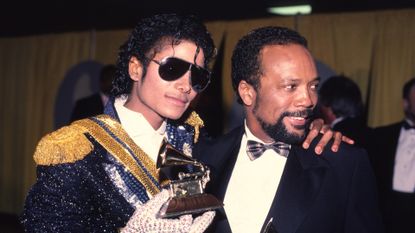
187 194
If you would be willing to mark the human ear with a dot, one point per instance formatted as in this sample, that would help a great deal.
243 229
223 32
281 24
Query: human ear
135 69
246 92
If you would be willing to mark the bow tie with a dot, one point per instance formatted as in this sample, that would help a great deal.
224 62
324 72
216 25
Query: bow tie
407 126
255 149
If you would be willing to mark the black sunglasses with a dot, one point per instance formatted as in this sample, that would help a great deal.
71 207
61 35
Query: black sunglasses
172 68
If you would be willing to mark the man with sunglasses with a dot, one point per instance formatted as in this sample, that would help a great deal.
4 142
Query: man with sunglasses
99 174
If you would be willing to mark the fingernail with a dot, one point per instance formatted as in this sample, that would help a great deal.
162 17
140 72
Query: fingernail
335 148
318 150
305 145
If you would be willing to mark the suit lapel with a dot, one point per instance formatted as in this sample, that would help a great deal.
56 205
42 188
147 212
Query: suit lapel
301 180
229 159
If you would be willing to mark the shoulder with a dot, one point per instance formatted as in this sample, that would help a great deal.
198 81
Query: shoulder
221 147
347 153
347 157
65 145
231 138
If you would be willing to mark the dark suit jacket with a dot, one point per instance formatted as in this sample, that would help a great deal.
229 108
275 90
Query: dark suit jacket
354 128
86 107
398 209
331 193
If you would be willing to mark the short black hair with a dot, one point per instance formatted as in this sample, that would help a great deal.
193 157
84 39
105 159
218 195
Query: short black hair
407 88
342 95
246 61
149 33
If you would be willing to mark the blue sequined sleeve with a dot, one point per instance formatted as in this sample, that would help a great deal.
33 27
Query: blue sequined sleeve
75 197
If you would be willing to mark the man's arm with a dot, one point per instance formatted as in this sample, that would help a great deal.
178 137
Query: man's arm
52 204
70 197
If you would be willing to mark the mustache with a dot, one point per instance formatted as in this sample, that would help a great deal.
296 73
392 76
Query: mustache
306 113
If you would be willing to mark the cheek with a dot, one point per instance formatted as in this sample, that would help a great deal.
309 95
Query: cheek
314 97
154 84
270 108
192 95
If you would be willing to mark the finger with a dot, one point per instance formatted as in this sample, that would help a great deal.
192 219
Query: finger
315 127
325 128
310 136
186 218
201 223
323 141
157 201
173 225
347 140
317 124
337 141
185 222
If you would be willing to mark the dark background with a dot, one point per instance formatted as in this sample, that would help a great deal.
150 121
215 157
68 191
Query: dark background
24 17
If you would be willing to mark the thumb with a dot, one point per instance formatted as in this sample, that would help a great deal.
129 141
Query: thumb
202 222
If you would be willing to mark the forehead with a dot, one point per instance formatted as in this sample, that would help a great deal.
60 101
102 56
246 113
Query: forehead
182 49
288 61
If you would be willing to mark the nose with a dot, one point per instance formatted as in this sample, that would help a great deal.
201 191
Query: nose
307 98
184 84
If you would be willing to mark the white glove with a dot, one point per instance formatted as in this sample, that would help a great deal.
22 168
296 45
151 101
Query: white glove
202 222
144 219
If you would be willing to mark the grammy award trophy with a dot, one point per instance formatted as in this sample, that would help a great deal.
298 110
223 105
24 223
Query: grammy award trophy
186 188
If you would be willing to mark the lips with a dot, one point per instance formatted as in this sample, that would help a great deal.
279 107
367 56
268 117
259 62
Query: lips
177 101
297 120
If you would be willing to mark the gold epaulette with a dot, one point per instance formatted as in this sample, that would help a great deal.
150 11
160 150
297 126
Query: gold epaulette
197 122
65 145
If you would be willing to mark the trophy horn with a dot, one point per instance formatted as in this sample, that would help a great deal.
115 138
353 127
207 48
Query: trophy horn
169 156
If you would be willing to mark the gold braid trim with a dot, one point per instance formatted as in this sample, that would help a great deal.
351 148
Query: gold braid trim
65 145
197 123
120 152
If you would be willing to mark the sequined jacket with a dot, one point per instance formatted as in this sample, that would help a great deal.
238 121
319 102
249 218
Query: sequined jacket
90 175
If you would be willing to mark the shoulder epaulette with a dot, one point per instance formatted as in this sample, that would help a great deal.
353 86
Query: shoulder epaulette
65 145
197 122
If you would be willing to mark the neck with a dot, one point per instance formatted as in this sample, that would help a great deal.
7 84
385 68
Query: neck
257 130
153 118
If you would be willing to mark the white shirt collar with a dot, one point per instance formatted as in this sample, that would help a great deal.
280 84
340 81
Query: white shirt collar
131 120
139 129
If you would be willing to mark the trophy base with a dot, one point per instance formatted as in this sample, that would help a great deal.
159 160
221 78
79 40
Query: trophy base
193 204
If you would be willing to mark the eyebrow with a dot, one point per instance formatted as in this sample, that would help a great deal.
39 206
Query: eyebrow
318 78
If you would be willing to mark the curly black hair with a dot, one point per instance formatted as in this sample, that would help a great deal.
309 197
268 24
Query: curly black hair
148 35
246 60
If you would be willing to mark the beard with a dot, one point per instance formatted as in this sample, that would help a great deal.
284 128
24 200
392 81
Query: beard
279 132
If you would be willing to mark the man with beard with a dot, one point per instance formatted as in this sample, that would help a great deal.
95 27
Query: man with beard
267 181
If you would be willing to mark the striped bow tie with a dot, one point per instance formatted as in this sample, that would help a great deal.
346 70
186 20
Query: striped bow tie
255 149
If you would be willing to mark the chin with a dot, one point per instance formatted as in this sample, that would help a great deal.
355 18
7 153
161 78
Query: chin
173 115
